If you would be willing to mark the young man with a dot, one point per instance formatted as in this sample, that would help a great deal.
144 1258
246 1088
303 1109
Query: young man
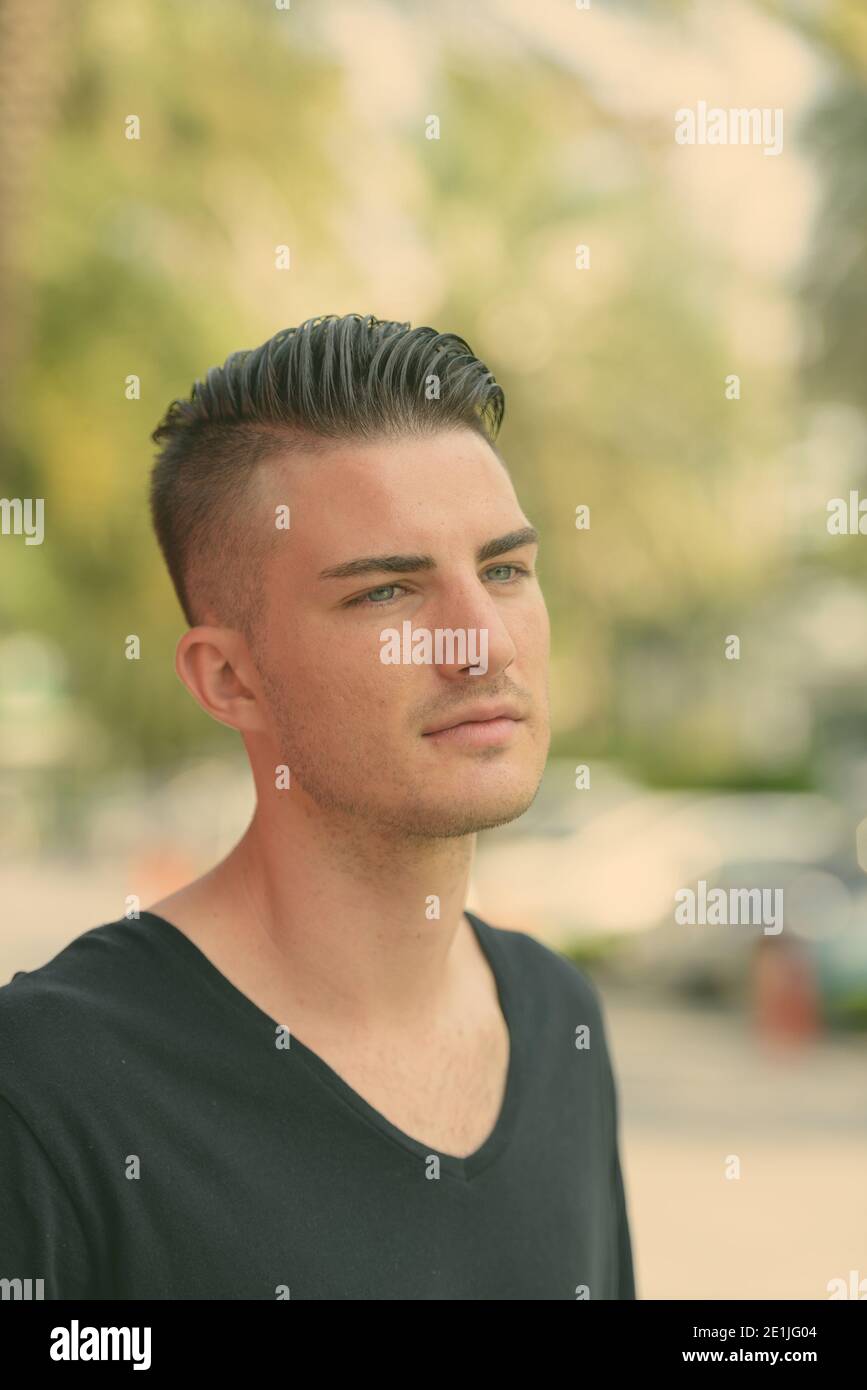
311 1073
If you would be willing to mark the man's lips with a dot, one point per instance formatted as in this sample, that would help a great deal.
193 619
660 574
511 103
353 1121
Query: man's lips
477 730
480 714
477 733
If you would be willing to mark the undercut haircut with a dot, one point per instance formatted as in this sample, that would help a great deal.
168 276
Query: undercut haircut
333 379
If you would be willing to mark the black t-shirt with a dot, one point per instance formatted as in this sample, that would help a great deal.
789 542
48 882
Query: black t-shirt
160 1139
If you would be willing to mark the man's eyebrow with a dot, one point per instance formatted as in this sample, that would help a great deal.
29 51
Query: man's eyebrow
408 564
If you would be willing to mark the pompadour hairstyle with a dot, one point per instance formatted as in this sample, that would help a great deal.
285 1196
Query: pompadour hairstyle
333 378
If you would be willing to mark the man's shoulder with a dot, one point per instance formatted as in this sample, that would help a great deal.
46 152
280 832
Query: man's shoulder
56 1012
542 967
77 971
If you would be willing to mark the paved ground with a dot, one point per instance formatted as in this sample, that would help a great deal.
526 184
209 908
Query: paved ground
695 1087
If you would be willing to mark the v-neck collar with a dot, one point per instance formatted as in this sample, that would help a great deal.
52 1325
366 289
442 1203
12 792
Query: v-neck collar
463 1169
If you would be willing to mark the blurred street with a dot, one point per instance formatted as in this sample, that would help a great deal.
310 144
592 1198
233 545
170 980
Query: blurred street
695 1087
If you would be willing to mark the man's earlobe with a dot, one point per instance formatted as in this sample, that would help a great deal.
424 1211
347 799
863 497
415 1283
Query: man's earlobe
210 662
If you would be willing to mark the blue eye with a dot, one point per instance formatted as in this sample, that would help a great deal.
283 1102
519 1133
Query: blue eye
362 598
369 601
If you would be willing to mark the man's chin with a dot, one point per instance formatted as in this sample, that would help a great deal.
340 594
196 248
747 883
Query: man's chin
465 816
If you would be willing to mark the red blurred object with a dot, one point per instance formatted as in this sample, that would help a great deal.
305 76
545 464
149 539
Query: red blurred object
786 1000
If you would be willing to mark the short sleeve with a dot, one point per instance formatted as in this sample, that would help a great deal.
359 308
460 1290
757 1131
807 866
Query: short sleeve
624 1279
40 1232
625 1282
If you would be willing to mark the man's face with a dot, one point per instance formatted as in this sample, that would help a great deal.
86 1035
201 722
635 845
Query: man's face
352 729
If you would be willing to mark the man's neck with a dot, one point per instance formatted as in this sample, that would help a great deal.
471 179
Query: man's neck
354 928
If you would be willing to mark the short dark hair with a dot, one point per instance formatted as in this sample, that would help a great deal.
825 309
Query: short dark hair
333 378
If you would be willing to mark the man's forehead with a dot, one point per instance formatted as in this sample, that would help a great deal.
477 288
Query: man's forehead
406 495
386 464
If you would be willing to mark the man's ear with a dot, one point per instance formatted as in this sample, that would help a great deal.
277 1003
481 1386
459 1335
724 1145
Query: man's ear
215 665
